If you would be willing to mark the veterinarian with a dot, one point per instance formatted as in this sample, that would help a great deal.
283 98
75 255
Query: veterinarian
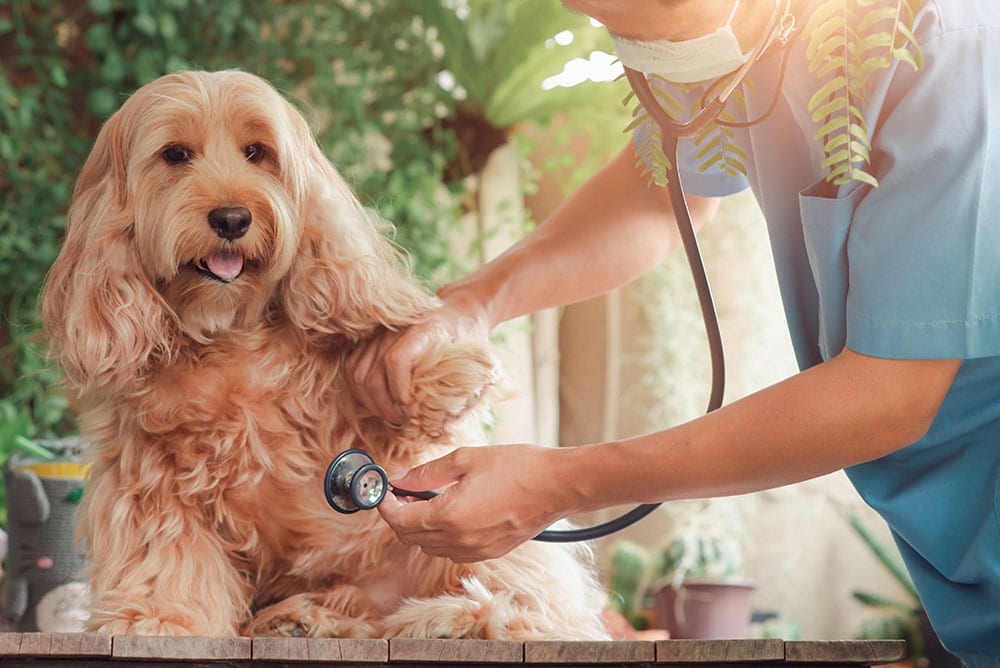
890 283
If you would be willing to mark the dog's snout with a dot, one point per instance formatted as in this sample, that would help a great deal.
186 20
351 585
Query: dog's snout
230 222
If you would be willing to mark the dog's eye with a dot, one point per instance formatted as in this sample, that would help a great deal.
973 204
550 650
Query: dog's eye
254 152
177 155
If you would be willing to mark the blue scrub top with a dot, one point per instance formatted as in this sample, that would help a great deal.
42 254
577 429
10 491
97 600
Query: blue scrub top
908 270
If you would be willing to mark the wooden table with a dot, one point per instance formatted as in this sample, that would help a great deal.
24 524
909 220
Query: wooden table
54 650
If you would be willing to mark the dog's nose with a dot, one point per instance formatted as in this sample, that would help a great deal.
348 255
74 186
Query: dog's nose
230 222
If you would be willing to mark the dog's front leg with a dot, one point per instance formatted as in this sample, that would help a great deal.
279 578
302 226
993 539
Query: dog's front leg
161 575
341 612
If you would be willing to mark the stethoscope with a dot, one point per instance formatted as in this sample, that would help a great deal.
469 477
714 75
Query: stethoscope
354 481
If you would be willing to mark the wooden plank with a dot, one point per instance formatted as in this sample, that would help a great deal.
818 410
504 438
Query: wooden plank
64 644
345 650
279 649
9 644
863 652
585 651
173 648
711 651
418 650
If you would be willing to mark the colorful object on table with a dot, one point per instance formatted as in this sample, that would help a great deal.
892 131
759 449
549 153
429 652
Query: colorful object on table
43 486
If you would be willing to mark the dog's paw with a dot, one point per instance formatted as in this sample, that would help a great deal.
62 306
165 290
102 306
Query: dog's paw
142 626
311 616
478 614
452 381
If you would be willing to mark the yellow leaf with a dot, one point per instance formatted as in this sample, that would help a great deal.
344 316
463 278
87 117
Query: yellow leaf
830 108
839 82
832 126
861 175
833 64
840 157
710 146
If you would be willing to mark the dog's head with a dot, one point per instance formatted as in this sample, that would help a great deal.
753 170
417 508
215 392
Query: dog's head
204 207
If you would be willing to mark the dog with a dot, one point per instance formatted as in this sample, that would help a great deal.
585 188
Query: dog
216 272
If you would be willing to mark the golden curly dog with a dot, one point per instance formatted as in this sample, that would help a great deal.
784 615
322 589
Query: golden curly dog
216 272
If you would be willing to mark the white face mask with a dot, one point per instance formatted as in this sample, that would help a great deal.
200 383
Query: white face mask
688 61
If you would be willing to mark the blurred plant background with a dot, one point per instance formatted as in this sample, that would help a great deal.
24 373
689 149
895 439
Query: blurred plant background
406 98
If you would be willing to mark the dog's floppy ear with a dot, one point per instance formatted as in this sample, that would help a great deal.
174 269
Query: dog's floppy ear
347 277
104 321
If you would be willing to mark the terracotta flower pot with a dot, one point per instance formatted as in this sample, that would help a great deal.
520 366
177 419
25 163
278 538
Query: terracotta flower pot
708 609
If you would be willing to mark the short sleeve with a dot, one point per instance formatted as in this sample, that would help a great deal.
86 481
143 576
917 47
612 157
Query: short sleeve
924 247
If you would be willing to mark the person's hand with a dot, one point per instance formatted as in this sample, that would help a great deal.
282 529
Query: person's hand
492 499
378 370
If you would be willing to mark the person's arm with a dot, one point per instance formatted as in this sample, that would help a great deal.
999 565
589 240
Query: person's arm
611 231
848 410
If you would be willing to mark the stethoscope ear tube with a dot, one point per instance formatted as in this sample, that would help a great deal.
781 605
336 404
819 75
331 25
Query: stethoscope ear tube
711 319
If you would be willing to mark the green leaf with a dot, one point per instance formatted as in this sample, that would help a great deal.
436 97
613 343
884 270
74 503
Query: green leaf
168 26
832 126
32 448
99 37
864 177
881 552
830 108
101 7
58 76
828 89
145 23
101 102
113 67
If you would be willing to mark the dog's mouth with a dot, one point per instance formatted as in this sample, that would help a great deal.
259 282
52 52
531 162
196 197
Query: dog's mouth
224 266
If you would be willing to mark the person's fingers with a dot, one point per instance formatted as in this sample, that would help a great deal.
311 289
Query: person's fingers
400 360
368 380
389 510
359 363
434 474
412 521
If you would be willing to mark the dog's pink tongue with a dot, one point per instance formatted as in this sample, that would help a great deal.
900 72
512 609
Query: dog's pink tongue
225 265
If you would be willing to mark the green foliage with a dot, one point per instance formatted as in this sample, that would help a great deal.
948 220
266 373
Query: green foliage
651 159
700 552
629 571
501 52
716 145
849 42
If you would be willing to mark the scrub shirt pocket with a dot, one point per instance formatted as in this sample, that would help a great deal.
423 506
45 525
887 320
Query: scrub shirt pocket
826 224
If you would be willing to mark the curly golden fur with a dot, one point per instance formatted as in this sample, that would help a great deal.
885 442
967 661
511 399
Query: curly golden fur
207 351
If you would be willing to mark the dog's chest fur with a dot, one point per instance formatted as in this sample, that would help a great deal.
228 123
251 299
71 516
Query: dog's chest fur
244 430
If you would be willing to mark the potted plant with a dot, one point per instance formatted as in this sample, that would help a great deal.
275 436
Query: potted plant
699 588
694 585
630 568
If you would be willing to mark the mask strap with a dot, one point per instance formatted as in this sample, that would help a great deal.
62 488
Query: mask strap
732 14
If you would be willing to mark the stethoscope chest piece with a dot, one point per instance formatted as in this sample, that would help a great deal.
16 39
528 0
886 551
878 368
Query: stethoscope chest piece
355 482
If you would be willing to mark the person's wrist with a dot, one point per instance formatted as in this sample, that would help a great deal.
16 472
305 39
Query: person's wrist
467 300
570 471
